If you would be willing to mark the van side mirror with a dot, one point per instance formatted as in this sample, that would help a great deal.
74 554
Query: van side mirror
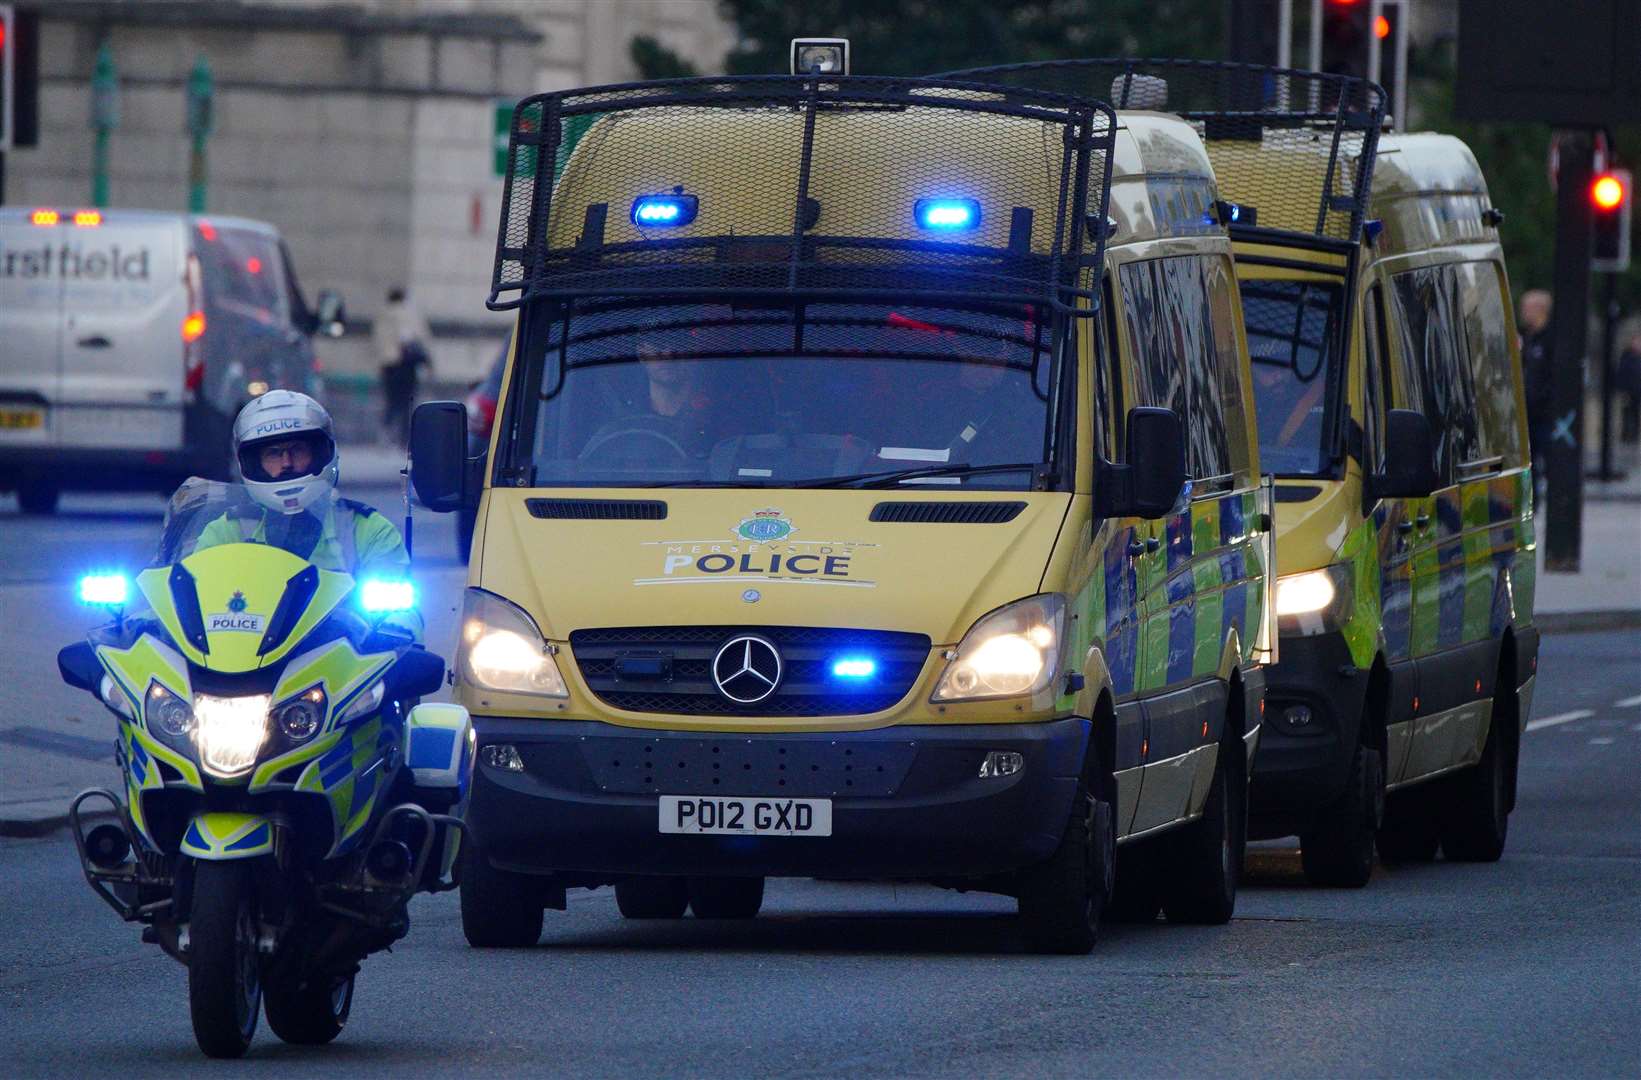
1149 482
438 455
329 313
1410 458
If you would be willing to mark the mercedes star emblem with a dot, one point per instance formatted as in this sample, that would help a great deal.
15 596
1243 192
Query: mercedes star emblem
747 669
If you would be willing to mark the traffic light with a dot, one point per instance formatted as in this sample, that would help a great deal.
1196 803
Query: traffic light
19 77
1347 34
1388 28
1610 200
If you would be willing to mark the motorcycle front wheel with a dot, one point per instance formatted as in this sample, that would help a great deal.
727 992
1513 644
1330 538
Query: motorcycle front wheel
224 985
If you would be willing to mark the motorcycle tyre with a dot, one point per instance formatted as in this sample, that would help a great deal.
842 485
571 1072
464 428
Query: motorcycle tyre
222 958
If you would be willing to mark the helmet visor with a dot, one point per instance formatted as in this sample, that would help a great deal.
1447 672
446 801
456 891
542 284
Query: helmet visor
286 457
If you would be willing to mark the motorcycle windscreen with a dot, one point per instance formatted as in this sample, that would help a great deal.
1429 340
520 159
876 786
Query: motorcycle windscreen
235 607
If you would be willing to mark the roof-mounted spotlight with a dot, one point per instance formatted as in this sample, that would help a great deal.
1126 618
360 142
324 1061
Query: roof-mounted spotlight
820 56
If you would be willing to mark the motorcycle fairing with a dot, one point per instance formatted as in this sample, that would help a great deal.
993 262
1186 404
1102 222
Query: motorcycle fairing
349 775
221 836
222 605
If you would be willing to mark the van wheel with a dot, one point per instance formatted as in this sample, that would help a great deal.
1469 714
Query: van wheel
726 898
652 897
1409 834
1478 810
500 909
1061 900
37 497
1340 854
1207 854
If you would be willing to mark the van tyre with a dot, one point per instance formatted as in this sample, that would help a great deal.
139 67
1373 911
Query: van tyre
1061 900
1409 833
1477 817
500 909
37 497
652 897
1340 853
725 897
224 968
310 1013
1207 856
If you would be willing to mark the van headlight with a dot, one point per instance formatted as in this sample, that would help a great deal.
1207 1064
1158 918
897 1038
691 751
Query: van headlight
1322 594
502 649
230 731
1012 651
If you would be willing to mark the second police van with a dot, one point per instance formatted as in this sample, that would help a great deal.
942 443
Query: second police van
1388 381
874 493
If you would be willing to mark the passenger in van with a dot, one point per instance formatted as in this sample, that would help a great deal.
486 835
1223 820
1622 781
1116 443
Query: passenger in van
1537 370
285 458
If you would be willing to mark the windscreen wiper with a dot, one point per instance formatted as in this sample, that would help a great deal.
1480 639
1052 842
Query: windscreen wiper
889 479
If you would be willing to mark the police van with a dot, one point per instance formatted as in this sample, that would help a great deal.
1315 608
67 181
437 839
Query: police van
1389 392
874 493
132 339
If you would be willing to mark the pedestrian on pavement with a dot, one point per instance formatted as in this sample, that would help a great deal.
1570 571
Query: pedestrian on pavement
1537 371
400 336
1628 385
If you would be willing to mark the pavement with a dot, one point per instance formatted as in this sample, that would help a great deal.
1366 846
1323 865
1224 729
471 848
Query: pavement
56 741
1528 967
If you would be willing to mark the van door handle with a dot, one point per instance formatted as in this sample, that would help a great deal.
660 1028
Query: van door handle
96 341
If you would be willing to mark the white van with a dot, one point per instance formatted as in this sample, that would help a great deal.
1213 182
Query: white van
130 338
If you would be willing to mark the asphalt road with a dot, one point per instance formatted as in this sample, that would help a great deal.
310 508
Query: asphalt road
1531 966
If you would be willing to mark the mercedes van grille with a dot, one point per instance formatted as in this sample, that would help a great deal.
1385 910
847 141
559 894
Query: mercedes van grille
668 669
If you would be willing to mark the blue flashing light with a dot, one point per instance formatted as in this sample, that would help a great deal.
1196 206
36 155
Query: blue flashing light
379 596
653 211
109 590
947 215
854 667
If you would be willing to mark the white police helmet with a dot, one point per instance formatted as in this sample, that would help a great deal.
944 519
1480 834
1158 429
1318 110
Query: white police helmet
282 416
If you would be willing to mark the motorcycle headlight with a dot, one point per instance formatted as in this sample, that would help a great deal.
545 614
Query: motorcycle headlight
362 705
302 716
1014 650
167 713
502 649
230 731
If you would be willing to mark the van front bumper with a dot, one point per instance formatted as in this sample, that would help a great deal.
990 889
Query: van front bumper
1301 769
907 802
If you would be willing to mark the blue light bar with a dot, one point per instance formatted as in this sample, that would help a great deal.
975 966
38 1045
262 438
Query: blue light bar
947 215
664 211
854 667
104 589
380 596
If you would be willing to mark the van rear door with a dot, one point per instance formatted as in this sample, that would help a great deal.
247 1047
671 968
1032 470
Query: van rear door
123 305
30 312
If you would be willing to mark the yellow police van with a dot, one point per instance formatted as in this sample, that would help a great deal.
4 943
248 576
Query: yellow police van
874 493
1388 384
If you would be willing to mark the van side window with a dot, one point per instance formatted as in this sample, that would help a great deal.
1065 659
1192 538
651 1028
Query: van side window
1108 396
1486 333
1232 393
1169 317
1434 375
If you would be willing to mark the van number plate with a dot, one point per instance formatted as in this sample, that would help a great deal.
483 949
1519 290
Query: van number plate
14 419
751 816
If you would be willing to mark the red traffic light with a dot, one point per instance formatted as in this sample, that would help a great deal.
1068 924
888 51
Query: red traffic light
1381 27
1607 192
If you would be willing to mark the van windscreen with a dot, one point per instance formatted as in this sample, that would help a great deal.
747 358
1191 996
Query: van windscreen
1292 335
240 269
818 394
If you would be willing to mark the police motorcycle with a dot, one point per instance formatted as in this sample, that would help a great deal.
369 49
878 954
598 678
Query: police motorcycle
285 792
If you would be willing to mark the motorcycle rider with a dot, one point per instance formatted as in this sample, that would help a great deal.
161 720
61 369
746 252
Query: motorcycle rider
284 456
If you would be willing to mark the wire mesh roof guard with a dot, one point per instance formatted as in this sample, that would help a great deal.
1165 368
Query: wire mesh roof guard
1294 150
793 188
